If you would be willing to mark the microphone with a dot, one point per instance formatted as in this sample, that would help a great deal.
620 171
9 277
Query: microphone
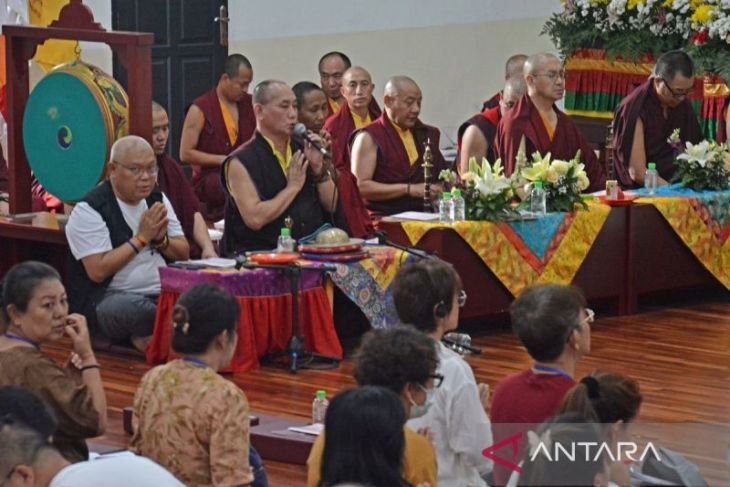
300 130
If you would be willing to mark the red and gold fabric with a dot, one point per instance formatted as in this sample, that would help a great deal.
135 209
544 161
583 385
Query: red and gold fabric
528 253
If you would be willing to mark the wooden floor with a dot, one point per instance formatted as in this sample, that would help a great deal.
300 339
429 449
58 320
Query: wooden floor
681 356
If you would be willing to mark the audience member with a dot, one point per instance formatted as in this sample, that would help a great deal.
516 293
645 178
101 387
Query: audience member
120 234
428 296
188 418
387 155
476 136
25 407
544 466
35 301
332 67
646 117
274 176
612 400
536 124
364 440
403 361
553 324
175 185
26 458
216 124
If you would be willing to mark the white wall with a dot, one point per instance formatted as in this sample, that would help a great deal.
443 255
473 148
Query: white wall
455 49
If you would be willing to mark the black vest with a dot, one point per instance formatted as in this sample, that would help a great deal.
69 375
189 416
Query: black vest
266 174
83 293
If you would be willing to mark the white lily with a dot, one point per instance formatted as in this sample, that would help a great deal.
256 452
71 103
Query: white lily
700 153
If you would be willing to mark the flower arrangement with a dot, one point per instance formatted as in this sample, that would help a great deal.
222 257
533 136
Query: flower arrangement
704 166
563 181
487 192
633 28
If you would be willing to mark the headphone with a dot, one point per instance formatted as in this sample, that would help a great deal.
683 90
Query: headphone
440 310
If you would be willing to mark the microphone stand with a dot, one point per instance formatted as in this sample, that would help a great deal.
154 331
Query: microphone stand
420 253
299 357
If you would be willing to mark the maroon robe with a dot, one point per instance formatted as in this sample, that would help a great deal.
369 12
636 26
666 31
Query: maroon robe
524 119
393 166
172 181
42 200
487 122
214 140
351 207
644 103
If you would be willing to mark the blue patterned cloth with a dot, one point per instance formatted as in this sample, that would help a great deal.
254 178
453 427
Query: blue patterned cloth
537 234
716 202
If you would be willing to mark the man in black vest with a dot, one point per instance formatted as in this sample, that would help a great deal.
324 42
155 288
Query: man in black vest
119 234
274 176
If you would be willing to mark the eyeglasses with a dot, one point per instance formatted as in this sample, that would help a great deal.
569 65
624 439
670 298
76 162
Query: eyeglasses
678 95
437 379
461 298
553 75
137 171
590 317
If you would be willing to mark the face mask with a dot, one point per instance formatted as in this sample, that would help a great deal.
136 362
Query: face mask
418 410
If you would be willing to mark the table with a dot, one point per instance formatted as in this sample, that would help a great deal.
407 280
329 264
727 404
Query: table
265 324
674 241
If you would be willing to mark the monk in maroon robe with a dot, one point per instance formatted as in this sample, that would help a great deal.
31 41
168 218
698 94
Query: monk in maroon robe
4 173
387 155
476 136
332 67
646 118
359 110
173 182
538 124
512 68
217 123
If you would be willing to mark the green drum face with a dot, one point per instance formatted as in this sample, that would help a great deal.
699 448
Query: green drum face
69 124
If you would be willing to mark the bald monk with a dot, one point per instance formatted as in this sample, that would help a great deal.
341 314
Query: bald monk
217 123
387 155
172 181
332 67
274 176
537 123
645 119
359 110
512 68
476 135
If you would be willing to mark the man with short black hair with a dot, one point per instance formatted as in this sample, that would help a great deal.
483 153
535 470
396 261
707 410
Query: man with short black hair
647 117
512 68
332 67
216 124
554 325
274 176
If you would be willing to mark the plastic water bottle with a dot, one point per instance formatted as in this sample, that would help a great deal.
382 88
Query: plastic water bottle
319 407
538 204
285 242
459 206
650 178
446 208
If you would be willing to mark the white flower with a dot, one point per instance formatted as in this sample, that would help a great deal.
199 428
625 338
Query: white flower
700 153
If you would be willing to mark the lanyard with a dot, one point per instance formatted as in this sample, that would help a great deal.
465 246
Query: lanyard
196 361
551 370
21 339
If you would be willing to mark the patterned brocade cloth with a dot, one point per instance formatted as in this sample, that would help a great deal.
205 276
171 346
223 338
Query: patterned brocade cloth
523 253
194 423
368 283
701 220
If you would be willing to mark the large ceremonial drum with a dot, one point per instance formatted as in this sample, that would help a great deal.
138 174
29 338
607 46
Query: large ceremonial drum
71 119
